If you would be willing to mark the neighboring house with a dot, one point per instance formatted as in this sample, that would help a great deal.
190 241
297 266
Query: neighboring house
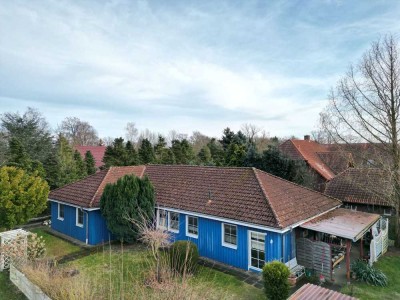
243 217
364 154
323 162
363 189
97 152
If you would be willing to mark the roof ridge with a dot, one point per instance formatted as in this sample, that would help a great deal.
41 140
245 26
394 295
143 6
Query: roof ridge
198 166
98 188
304 187
266 197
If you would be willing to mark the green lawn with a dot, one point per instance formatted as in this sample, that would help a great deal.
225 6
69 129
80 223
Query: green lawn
390 265
7 289
212 284
55 247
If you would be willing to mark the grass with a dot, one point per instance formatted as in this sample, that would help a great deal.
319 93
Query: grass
390 265
55 247
7 289
136 261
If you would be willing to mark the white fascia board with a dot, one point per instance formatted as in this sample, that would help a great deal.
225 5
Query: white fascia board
69 204
222 219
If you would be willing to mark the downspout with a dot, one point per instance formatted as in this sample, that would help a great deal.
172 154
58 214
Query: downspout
87 224
87 227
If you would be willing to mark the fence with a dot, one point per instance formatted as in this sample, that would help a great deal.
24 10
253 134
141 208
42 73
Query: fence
380 242
6 238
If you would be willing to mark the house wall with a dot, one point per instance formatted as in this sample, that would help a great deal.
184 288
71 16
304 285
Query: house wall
68 225
98 231
209 242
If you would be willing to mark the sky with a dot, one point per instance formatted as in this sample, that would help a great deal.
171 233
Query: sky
183 65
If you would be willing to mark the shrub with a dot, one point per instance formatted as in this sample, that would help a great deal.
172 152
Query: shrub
184 257
368 274
275 276
36 247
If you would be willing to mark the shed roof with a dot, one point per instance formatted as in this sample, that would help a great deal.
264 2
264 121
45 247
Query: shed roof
343 223
314 292
242 194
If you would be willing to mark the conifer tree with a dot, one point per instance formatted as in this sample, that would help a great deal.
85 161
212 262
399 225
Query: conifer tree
130 198
204 156
115 155
80 165
22 196
90 163
132 157
146 152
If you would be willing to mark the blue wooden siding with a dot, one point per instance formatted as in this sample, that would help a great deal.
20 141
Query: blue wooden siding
68 225
209 242
98 231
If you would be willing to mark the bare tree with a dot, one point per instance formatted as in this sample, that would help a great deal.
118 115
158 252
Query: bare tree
149 135
365 106
78 132
175 135
198 141
131 132
250 131
106 141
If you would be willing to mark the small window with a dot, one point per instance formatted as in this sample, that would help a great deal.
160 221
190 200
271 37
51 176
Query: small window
162 219
192 226
229 235
173 222
60 211
387 211
79 217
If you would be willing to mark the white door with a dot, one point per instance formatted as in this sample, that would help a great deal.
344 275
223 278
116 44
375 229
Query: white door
256 249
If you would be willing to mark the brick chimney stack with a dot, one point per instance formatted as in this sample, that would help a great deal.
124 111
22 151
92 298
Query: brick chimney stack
307 137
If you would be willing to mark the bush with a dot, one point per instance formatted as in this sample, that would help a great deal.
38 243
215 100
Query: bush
275 276
184 257
368 274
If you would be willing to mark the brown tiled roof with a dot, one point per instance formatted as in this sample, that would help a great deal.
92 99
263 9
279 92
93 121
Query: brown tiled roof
242 194
97 152
325 162
314 292
293 203
362 185
87 192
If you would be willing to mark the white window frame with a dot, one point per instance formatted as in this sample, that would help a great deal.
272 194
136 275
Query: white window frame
158 219
250 267
225 244
187 227
169 222
77 217
385 213
58 211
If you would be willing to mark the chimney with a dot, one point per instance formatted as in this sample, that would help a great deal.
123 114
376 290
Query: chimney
307 137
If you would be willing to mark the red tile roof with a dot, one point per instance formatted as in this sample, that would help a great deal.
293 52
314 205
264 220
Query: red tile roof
325 162
314 292
97 152
362 185
242 194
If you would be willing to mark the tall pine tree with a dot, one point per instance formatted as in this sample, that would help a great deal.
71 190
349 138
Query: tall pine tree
81 170
146 152
90 163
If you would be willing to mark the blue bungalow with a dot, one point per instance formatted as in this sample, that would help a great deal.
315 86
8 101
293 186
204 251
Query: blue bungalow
242 217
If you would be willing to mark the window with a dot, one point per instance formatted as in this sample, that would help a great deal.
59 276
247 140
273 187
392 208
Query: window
387 211
79 217
229 235
60 211
257 249
192 226
162 219
173 224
